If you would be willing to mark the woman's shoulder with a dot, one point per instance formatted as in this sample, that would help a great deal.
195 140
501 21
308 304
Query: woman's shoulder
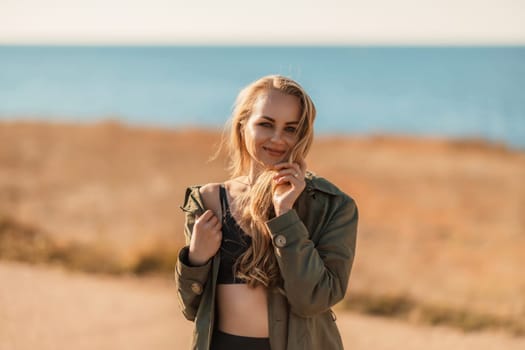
209 189
202 197
203 188
210 197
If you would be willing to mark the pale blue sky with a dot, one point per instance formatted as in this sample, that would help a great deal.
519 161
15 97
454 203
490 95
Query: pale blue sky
327 22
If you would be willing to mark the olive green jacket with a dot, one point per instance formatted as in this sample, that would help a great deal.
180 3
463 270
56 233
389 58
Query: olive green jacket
314 244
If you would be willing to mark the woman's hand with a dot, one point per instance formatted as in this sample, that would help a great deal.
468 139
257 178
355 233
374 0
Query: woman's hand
205 238
289 183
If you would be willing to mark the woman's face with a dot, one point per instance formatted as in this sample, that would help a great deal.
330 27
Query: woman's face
270 131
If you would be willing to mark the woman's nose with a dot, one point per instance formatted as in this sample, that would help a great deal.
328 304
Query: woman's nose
277 137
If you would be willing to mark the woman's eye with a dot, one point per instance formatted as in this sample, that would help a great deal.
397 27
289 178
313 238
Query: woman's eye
266 124
290 129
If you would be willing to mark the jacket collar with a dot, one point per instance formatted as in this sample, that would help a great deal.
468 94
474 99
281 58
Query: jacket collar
193 201
315 183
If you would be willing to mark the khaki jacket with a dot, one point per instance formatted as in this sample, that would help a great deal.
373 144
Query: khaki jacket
314 244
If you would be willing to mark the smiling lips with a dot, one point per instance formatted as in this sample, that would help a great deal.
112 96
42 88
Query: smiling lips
274 152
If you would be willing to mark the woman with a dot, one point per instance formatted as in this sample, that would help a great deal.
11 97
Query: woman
270 250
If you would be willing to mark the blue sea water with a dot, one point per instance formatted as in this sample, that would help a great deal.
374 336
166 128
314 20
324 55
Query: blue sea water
476 92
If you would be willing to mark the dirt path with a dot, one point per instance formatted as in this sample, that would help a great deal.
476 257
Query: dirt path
49 308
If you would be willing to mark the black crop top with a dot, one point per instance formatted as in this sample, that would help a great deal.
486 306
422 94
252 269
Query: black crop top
234 242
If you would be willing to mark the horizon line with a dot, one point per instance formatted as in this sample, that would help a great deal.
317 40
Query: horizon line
264 44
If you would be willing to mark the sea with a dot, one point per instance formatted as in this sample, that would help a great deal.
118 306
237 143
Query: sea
453 92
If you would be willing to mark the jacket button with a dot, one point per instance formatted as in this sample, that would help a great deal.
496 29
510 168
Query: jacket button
196 288
280 241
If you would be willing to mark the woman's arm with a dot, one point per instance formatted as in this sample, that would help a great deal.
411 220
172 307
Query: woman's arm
316 276
191 281
203 237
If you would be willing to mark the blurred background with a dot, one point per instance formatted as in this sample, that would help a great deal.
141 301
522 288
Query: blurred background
110 109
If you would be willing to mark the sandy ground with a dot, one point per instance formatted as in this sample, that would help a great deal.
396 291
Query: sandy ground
50 308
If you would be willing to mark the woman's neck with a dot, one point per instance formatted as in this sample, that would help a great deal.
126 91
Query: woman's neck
254 172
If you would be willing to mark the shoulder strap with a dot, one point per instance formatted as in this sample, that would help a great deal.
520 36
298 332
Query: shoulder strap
224 200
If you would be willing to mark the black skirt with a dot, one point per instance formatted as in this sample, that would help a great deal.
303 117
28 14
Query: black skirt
226 341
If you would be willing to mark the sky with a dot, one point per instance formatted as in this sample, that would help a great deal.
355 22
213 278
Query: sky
234 22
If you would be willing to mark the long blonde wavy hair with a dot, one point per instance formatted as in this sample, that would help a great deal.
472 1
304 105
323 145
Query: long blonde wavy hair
258 265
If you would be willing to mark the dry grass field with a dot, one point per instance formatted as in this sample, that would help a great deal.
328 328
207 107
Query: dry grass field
441 233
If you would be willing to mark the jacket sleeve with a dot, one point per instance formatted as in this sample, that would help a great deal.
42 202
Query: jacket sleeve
315 276
190 280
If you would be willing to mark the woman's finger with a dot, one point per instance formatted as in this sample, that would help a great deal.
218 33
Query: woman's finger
218 226
287 178
285 165
282 165
210 224
205 216
295 170
288 171
213 220
296 167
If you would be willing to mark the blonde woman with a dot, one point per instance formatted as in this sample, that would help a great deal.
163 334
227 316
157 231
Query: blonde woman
270 250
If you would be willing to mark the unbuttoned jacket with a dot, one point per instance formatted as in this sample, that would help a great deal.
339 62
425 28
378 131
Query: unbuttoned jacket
315 246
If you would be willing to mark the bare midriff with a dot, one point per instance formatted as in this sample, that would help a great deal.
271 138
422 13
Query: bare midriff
242 310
